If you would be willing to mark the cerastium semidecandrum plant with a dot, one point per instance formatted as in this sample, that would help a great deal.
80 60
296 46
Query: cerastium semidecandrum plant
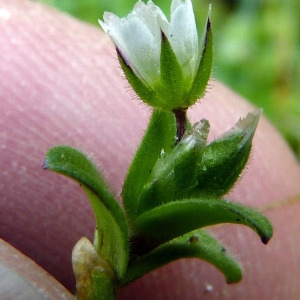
176 181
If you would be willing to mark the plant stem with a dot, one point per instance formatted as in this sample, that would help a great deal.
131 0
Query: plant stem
180 115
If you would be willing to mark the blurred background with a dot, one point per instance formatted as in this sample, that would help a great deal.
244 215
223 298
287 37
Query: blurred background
257 49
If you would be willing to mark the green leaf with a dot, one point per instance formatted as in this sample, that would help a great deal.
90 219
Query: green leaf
174 175
160 136
110 219
176 218
198 244
205 67
225 158
110 241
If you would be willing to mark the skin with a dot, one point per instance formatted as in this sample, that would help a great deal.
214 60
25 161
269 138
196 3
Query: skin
22 278
60 83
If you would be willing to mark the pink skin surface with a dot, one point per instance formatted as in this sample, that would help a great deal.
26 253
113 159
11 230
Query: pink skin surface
60 83
22 278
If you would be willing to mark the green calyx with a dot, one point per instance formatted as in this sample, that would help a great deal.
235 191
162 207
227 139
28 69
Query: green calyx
173 90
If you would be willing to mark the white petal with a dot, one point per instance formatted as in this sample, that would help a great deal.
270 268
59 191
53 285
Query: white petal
138 38
149 13
183 36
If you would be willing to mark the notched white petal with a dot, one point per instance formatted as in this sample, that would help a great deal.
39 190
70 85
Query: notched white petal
109 20
183 36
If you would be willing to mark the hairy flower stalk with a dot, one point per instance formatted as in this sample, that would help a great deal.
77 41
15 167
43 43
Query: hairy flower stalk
163 60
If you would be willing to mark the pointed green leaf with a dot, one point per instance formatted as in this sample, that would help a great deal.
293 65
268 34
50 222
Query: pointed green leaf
205 67
159 137
110 241
73 163
175 218
198 244
110 219
225 158
174 174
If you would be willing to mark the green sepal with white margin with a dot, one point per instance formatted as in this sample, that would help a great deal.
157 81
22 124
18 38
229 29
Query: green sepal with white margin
224 159
170 220
110 219
171 88
144 92
195 244
205 67
174 175
159 136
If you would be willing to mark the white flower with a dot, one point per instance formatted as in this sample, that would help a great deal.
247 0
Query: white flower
139 37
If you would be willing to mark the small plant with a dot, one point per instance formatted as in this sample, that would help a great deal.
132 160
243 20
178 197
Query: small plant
176 181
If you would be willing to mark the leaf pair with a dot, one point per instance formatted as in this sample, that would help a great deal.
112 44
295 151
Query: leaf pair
178 189
162 172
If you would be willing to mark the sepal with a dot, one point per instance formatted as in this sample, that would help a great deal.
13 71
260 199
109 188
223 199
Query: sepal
144 91
171 89
205 67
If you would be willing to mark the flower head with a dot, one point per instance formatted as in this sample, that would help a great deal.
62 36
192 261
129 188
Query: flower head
161 59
